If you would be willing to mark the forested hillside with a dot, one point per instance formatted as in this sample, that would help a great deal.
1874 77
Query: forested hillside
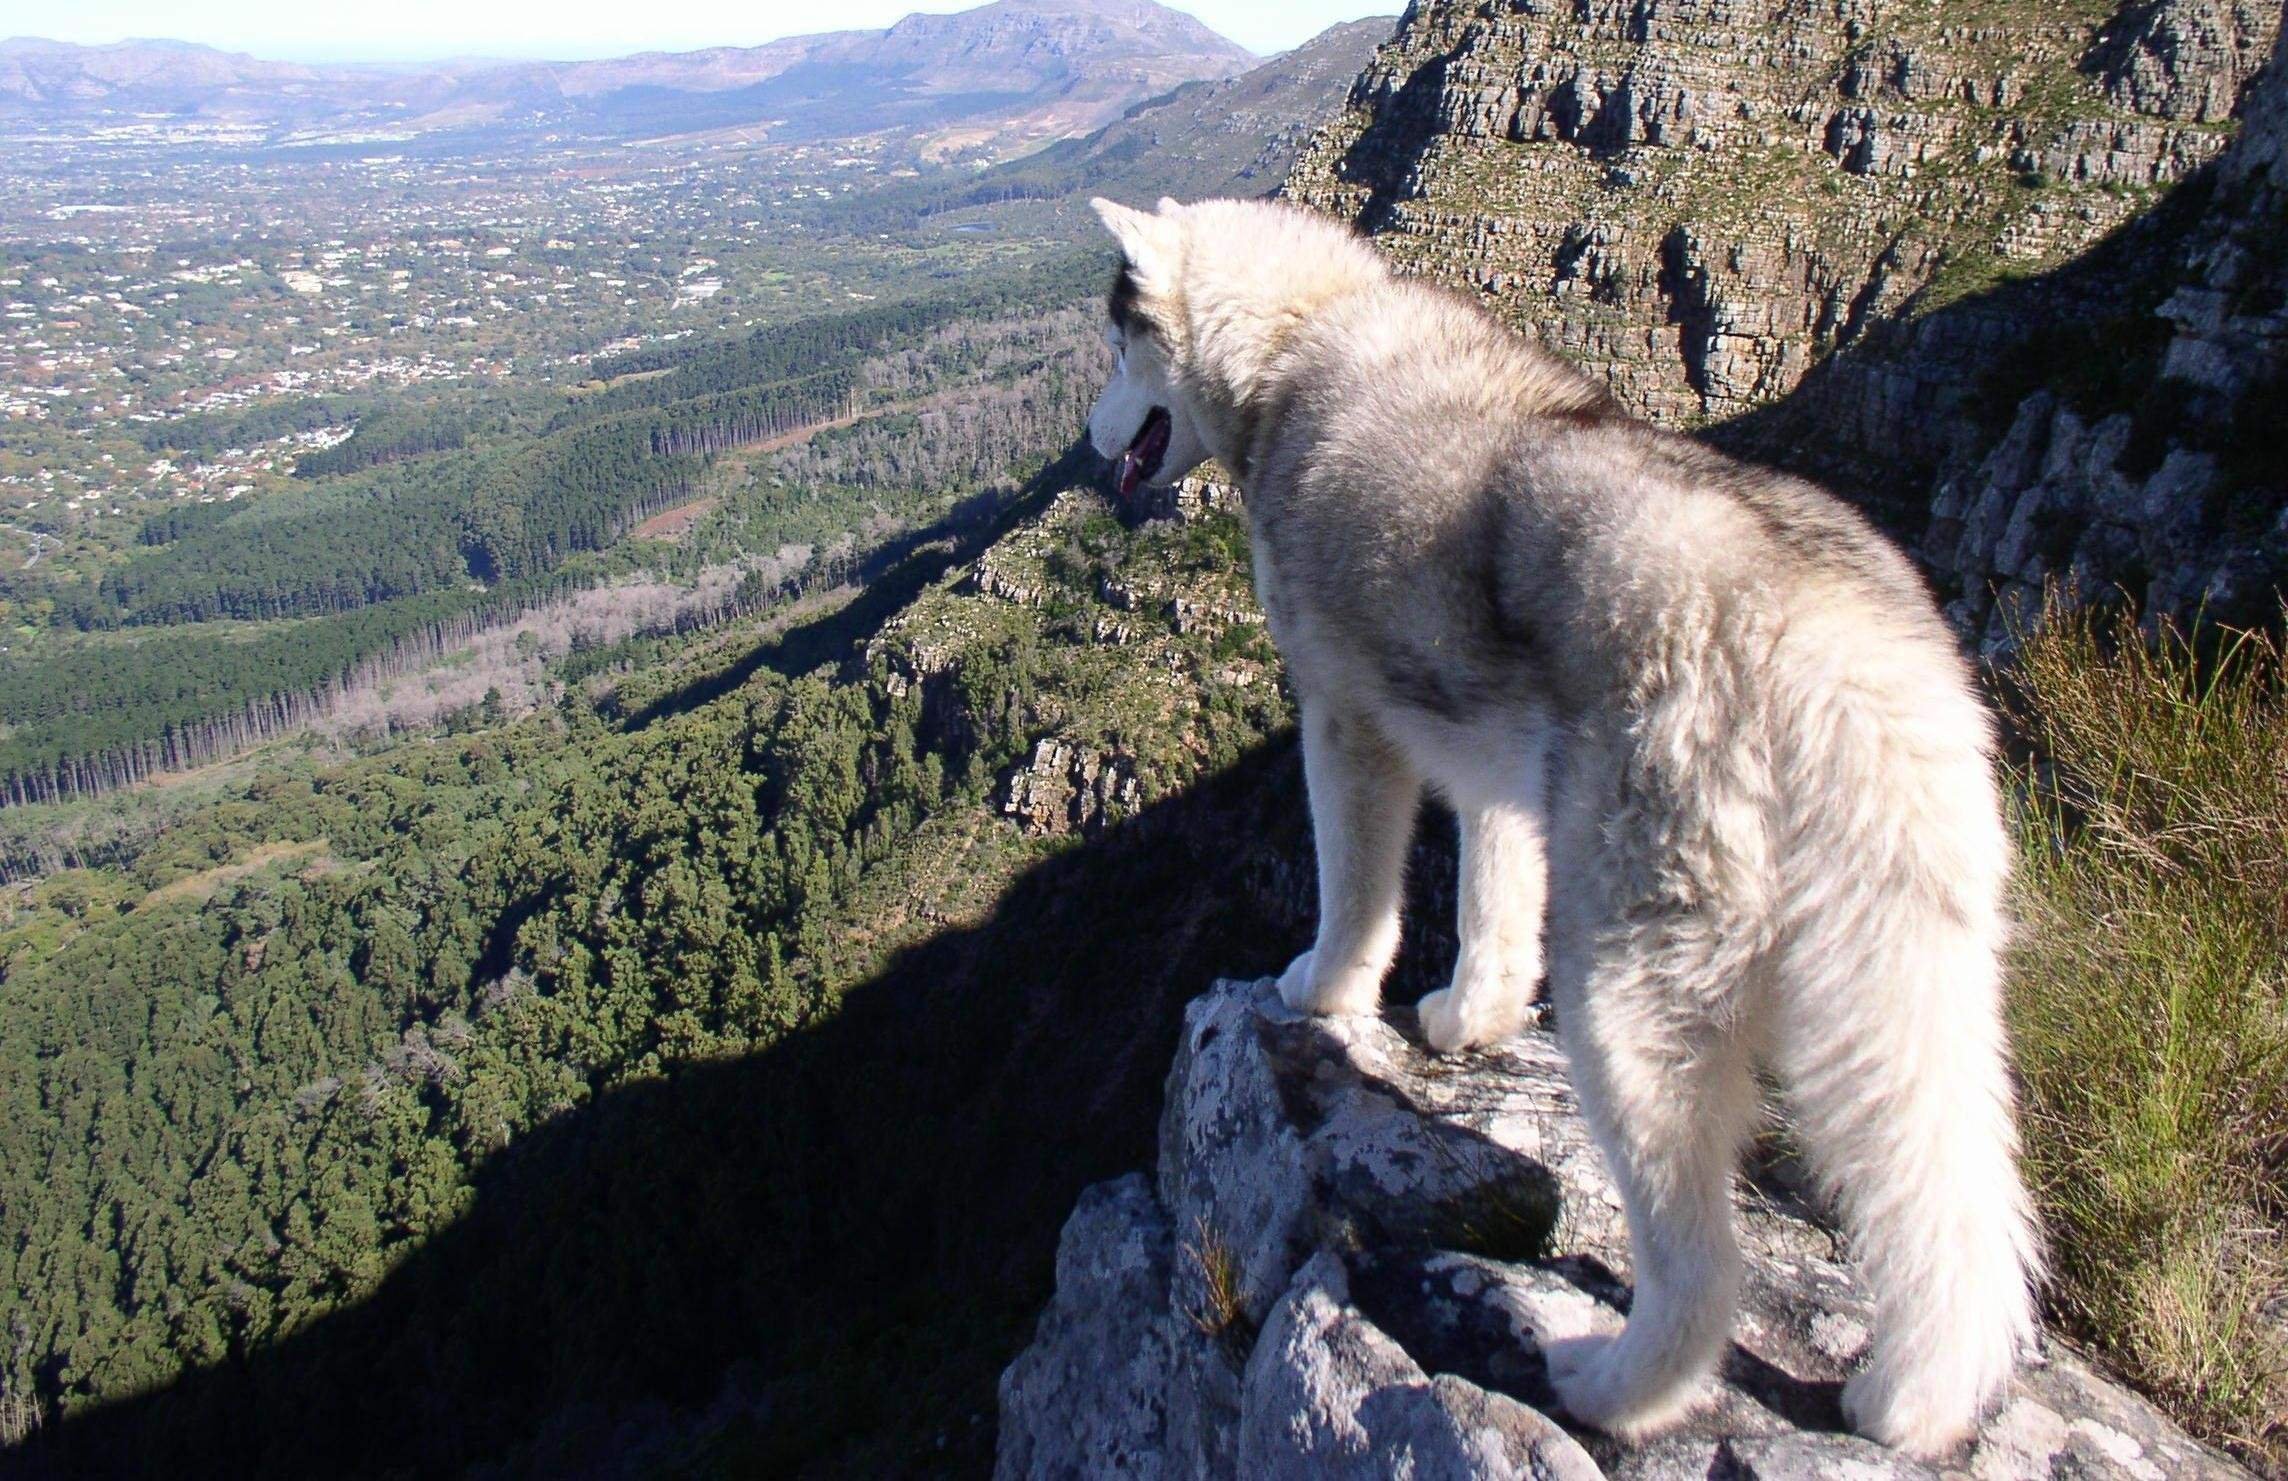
435 978
411 536
319 1015
557 717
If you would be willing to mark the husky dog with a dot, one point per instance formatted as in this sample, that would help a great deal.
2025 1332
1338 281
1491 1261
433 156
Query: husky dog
1708 698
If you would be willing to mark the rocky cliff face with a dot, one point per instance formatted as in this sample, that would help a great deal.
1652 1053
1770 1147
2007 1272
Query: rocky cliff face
1352 1252
1839 234
1700 200
2148 454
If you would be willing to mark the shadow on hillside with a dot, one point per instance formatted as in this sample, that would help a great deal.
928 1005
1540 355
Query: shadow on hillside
814 1259
1931 390
890 576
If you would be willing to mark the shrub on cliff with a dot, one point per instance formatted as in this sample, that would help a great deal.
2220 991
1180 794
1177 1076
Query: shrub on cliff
2150 1007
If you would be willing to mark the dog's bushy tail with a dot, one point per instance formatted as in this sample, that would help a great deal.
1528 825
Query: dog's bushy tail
1889 1032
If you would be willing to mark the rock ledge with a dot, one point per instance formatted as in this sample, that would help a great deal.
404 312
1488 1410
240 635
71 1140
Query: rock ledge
1333 1274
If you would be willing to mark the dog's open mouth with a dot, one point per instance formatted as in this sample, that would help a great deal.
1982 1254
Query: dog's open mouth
1142 459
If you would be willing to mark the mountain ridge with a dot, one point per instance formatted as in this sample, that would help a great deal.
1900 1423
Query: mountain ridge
1043 68
1232 136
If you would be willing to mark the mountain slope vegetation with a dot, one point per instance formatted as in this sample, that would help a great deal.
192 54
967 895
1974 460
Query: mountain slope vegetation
418 964
681 1063
1238 136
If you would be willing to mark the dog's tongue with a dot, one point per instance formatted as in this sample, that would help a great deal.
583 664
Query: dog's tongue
1142 459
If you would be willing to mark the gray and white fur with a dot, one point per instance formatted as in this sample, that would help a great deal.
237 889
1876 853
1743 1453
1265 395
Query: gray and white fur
1720 771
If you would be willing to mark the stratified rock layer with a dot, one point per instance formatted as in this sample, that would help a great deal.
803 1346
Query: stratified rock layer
2149 458
1854 237
1329 1275
1699 200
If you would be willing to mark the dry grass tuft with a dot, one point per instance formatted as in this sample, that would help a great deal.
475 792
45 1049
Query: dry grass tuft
2149 1008
1219 1314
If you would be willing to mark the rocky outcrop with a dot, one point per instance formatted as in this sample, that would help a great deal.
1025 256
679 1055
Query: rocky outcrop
1351 1257
1193 497
989 579
1069 788
2148 460
1701 201
2178 60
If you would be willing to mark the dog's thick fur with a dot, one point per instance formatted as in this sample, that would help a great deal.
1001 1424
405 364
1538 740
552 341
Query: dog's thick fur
1707 700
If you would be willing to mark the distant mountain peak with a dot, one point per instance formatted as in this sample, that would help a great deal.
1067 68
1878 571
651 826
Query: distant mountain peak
1026 70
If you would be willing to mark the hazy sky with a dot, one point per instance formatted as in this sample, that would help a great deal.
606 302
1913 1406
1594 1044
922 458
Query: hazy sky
307 30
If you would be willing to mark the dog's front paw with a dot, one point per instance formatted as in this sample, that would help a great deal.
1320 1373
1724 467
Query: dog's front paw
1295 983
1454 1019
1595 1386
1580 1373
1305 989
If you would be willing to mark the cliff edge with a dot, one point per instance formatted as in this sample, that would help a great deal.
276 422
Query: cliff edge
1352 1252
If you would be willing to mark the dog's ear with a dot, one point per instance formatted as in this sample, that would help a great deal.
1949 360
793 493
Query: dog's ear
1148 242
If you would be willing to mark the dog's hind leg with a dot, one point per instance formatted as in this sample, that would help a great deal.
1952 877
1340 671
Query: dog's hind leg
1363 799
1670 1096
